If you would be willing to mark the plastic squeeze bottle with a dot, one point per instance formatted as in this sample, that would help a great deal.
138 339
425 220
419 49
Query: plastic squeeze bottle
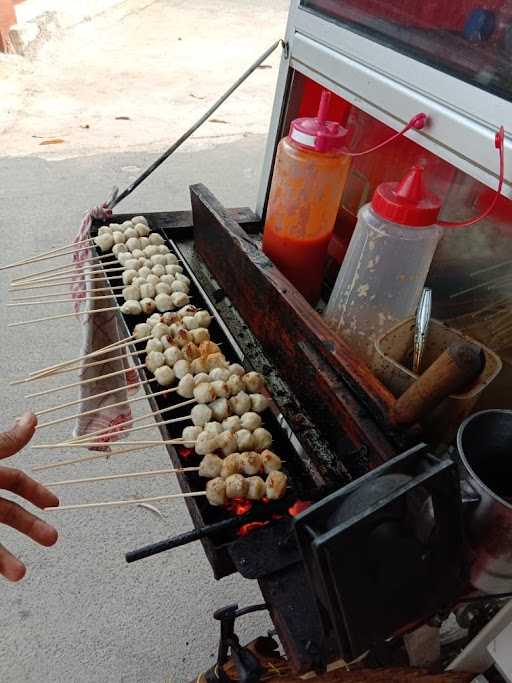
387 262
309 177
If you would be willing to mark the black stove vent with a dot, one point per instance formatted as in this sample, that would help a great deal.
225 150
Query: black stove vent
386 551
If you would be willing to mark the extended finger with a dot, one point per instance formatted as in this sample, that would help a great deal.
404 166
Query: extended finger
10 567
25 522
16 438
20 483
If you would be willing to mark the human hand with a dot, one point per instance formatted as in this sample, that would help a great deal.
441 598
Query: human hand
21 484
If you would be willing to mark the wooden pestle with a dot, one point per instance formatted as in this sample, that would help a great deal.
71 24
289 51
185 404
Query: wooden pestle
455 368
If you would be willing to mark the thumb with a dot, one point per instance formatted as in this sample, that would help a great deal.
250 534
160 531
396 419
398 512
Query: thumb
16 438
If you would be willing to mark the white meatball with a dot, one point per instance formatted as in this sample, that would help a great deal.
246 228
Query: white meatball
181 368
126 225
215 360
105 230
256 488
150 250
203 393
163 249
270 461
236 486
235 384
154 345
200 335
276 485
230 465
154 360
190 351
262 439
178 286
232 424
182 338
249 463
144 242
171 260
165 376
144 272
199 365
163 302
191 433
138 282
139 255
130 232
220 389
210 466
221 374
152 279
142 229
132 264
189 321
236 369
131 308
133 243
186 386
129 276
172 268
201 414
213 428
121 252
160 330
155 238
162 288
139 219
189 309
141 330
240 404
259 403
168 279
154 320
170 318
245 441
158 270
131 292
118 237
253 382
203 318
158 259
227 443
179 298
183 278
216 492
167 341
220 409
147 291
148 305
200 378
172 355
104 242
251 421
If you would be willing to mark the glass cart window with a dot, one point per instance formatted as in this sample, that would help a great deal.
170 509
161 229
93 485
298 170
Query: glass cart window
469 39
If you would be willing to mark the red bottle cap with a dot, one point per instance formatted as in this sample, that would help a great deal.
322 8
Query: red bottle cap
316 132
407 202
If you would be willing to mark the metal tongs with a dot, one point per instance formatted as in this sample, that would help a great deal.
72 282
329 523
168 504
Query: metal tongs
423 315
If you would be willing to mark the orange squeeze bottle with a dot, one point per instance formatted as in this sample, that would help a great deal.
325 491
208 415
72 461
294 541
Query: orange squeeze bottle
309 177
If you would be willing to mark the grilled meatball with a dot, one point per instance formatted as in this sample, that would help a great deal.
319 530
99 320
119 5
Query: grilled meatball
232 424
201 414
220 409
251 421
236 486
154 360
200 334
203 393
213 428
186 386
216 491
165 376
206 443
271 461
253 382
256 488
235 384
181 368
199 365
230 465
219 375
227 442
172 354
244 439
275 485
240 404
191 433
250 463
262 438
259 403
210 466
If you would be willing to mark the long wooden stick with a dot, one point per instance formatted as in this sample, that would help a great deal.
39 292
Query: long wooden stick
112 405
45 254
118 433
62 387
60 316
55 284
65 292
67 271
132 501
89 260
129 475
89 365
149 442
56 278
46 302
88 458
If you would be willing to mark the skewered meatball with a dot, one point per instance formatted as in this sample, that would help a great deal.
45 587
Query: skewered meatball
162 288
191 433
221 374
130 232
181 368
158 270
236 486
256 488
119 249
154 345
253 382
232 424
179 298
152 279
128 276
215 360
220 409
106 229
189 309
147 305
131 307
172 355
227 443
168 279
142 230
147 291
220 389
206 442
213 428
203 393
144 272
230 465
262 438
150 250
208 348
244 440
236 369
172 269
201 414
131 292
200 378
183 278
251 421
160 330
259 403
203 318
210 466
165 376
132 264
276 485
126 225
182 337
141 330
139 219
154 360
271 462
186 386
189 321
139 255
118 237
216 492
178 286
163 302
190 351
170 318
158 260
104 242
240 404
167 342
155 238
250 463
154 319
133 243
200 334
235 384
199 365
144 242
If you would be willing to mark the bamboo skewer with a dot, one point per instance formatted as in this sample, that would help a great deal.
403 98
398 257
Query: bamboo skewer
68 292
132 501
44 255
119 433
129 475
113 405
57 284
149 442
17 304
55 278
62 387
88 458
89 365
70 267
62 315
